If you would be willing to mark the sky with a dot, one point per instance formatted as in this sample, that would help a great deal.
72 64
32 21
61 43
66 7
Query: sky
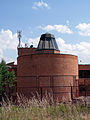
68 20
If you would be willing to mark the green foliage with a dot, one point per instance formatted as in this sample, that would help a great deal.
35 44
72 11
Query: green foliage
6 77
11 78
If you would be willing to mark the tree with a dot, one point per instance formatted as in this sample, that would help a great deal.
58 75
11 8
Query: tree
6 78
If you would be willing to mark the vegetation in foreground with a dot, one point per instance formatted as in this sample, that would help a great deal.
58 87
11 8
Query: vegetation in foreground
7 79
35 109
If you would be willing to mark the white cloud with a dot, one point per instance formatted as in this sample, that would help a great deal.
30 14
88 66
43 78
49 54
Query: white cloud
58 28
84 29
82 49
8 40
40 4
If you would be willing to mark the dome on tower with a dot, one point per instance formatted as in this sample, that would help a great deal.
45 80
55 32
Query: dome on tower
47 42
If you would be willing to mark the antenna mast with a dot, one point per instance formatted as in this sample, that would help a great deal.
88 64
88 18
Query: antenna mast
19 37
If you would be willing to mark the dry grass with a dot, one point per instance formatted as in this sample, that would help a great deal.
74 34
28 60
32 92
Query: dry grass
35 109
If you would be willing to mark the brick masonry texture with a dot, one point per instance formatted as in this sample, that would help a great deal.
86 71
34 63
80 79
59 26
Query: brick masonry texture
40 70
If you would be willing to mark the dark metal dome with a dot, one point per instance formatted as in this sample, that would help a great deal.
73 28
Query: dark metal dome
47 42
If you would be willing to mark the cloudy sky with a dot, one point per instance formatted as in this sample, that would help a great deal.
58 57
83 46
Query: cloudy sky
68 20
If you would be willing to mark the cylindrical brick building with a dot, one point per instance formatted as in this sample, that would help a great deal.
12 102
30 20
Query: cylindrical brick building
44 69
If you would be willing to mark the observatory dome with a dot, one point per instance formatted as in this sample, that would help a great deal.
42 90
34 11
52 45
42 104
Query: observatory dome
47 42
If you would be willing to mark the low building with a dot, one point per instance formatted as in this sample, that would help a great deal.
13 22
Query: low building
84 80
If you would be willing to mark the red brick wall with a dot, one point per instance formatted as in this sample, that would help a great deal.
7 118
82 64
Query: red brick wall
47 64
26 51
64 67
84 67
84 83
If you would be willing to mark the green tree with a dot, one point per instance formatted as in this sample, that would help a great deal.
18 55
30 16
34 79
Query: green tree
6 78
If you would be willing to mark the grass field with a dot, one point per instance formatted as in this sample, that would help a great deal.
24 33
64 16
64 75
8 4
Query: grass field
35 109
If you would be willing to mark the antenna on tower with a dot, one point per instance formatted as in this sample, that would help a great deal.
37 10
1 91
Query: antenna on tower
19 37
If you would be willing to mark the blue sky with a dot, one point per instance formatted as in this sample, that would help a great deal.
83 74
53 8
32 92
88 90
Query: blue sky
68 20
